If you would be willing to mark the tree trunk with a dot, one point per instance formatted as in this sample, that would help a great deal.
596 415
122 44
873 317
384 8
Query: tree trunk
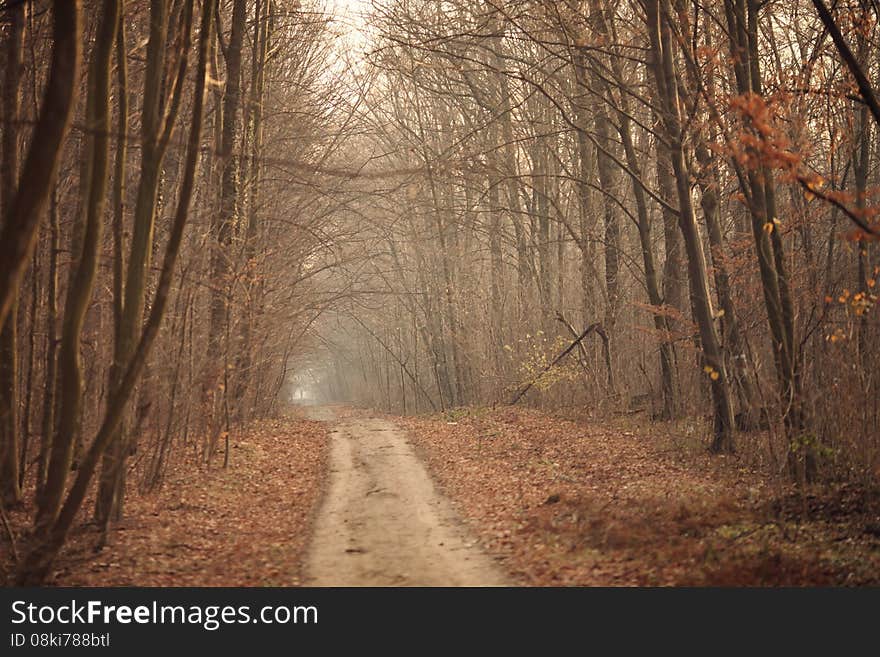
223 222
668 388
735 346
669 405
39 559
667 88
509 159
21 215
758 186
608 181
10 487
244 363
159 111
47 426
79 291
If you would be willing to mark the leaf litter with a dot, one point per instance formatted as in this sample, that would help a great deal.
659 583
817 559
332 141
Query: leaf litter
602 503
245 525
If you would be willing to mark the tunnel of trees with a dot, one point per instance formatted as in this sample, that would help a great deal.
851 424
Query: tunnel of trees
418 205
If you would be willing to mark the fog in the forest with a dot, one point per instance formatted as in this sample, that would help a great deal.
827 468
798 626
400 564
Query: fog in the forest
213 209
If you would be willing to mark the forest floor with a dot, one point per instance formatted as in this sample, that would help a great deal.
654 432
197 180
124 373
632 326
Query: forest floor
617 503
245 525
476 497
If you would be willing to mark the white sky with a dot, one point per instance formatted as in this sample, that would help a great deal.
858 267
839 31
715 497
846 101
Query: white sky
350 15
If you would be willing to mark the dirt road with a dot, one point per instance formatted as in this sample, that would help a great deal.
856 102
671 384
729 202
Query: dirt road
383 523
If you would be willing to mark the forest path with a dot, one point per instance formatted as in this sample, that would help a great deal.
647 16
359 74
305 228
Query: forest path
383 522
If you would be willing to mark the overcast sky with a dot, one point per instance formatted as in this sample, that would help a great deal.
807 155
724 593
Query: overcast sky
350 13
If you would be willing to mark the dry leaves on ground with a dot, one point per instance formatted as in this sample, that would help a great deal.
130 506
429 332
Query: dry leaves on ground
564 503
246 525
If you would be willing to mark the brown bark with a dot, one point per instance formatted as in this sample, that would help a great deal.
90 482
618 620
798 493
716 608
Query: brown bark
47 425
244 362
10 487
758 185
21 215
39 559
668 389
160 105
79 291
666 80
223 222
